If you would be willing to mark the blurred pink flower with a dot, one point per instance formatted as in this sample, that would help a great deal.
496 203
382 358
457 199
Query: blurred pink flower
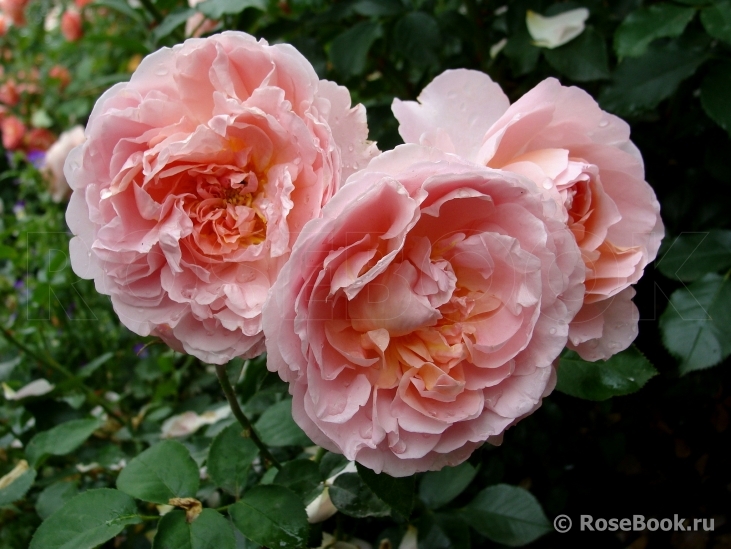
14 10
195 180
198 24
55 159
13 131
421 315
578 155
71 26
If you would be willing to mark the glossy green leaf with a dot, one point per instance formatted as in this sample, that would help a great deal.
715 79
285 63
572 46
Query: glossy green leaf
648 23
349 50
507 514
299 475
350 495
208 531
696 326
229 459
716 20
172 21
715 95
583 59
398 493
691 255
161 472
215 9
17 489
54 496
277 428
622 374
641 83
61 439
416 36
438 488
92 366
272 516
86 521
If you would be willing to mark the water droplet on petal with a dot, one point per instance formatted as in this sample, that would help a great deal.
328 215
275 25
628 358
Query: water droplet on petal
161 70
603 123
547 183
552 331
351 148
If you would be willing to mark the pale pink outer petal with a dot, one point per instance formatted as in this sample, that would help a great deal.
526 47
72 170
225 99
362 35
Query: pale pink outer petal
620 317
453 112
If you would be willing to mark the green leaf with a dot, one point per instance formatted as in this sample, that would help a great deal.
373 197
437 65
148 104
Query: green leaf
416 36
622 374
350 495
215 9
696 326
378 8
641 83
443 531
299 475
507 514
230 458
646 24
60 440
277 428
87 520
349 49
54 496
715 95
87 369
272 516
716 20
692 255
171 22
161 472
17 489
208 531
438 488
398 493
583 59
522 53
123 7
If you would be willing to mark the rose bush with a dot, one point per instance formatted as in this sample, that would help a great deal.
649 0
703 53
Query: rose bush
421 315
578 155
195 179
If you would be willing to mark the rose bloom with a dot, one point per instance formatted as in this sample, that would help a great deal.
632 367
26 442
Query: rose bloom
13 131
577 154
4 24
55 159
195 179
71 27
421 314
14 10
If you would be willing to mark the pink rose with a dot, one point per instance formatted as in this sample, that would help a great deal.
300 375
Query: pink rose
55 159
13 131
4 25
577 154
421 314
71 25
14 10
196 178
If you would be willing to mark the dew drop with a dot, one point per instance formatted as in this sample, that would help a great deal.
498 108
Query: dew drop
399 447
547 183
631 378
351 148
161 70
603 123
366 431
552 331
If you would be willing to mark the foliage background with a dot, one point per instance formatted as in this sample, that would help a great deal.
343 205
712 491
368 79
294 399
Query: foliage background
663 66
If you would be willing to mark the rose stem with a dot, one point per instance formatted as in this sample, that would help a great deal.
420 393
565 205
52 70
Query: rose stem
228 390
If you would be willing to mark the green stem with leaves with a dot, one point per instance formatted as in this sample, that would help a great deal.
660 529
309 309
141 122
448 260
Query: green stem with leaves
51 363
228 390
